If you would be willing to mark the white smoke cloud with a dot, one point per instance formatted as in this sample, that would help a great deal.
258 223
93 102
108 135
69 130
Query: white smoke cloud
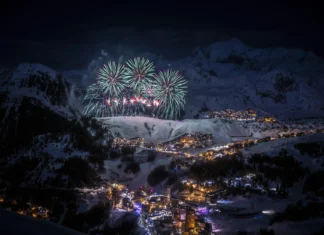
103 53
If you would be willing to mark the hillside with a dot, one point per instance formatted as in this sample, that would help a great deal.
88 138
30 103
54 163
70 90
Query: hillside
41 127
32 98
159 130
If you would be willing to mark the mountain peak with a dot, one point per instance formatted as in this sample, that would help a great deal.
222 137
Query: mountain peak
223 49
24 70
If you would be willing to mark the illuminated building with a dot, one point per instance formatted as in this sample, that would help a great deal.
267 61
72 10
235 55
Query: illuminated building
190 219
137 141
269 119
176 215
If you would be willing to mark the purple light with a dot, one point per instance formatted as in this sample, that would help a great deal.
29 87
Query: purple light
202 210
138 206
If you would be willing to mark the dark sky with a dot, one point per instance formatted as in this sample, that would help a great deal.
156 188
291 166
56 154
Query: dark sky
298 22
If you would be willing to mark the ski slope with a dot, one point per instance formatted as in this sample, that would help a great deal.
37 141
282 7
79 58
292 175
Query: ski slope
158 130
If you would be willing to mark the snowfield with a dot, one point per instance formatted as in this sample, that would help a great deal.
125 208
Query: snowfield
273 147
158 130
134 180
55 148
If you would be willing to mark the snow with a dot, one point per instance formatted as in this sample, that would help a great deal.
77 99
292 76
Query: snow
221 50
236 84
54 148
256 205
262 204
24 69
12 82
165 130
90 199
134 181
273 147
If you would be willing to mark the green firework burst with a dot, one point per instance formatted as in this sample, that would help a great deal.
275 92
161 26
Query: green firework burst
170 88
139 73
96 109
111 79
93 93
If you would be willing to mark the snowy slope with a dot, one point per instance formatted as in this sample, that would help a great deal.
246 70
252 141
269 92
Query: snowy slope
113 172
259 203
273 148
56 148
159 130
38 82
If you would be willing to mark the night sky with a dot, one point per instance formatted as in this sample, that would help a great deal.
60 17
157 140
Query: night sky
32 31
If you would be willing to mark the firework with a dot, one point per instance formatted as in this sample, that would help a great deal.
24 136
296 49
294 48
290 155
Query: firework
96 109
93 93
147 91
111 79
170 88
139 73
92 98
135 90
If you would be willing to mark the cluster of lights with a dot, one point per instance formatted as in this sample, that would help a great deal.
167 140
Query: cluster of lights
229 114
132 101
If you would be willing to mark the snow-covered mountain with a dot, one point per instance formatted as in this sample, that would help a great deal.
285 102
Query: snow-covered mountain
34 99
40 123
37 82
286 83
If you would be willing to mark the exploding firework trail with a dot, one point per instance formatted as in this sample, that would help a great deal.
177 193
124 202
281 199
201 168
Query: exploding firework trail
111 79
139 73
170 88
96 108
95 102
118 92
93 92
112 82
